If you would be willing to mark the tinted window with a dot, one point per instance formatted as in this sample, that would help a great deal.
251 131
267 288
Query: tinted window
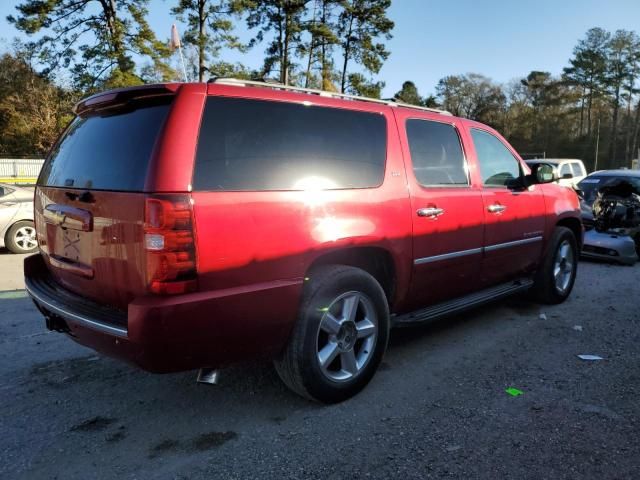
106 152
436 153
497 165
265 145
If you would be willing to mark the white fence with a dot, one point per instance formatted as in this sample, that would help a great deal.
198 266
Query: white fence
20 170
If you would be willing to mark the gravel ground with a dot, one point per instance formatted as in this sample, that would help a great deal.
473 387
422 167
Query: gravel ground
437 407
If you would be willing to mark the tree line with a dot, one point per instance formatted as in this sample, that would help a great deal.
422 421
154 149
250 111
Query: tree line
78 47
593 106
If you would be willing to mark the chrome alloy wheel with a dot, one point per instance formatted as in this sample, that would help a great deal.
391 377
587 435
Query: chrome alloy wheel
347 336
563 266
25 238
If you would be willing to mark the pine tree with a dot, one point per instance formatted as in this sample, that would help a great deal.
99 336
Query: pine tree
209 29
284 18
361 24
620 66
94 39
587 71
323 37
359 85
409 94
629 87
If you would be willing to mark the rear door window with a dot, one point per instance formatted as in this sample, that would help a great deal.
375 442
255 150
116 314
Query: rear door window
498 166
436 153
251 145
110 151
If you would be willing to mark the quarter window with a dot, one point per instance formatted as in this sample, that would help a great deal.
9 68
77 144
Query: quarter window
498 166
436 153
251 145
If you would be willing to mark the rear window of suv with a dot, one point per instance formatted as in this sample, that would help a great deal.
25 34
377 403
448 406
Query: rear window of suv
252 145
110 151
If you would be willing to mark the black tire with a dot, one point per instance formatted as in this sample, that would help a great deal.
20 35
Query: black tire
13 239
544 288
299 364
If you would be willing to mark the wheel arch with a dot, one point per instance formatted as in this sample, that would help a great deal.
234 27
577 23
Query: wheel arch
376 261
575 225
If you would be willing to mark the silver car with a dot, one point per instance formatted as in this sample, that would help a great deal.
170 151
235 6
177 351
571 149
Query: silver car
17 231
616 246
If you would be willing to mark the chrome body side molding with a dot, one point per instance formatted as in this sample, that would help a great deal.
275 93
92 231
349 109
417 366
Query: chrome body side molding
473 251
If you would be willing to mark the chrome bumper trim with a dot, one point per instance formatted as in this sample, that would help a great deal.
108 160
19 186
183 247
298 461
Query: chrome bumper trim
66 314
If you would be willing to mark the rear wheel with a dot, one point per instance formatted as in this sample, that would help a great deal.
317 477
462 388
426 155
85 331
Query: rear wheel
340 336
557 274
21 237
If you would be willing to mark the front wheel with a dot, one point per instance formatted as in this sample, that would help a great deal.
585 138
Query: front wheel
557 274
340 336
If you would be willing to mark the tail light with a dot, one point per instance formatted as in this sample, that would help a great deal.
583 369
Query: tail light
169 243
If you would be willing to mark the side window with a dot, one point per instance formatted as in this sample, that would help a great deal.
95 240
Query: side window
564 169
499 168
577 169
254 145
436 153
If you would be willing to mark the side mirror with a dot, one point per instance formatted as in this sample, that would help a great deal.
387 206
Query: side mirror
567 176
541 173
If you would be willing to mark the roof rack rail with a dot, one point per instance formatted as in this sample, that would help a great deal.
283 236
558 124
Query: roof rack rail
322 93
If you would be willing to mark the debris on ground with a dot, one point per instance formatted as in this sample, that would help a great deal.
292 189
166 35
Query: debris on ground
543 316
577 328
514 392
590 357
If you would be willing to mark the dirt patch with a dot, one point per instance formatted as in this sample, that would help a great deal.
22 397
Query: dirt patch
94 424
211 440
62 373
117 436
277 419
165 446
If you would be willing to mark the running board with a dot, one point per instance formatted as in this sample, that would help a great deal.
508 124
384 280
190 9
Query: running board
460 304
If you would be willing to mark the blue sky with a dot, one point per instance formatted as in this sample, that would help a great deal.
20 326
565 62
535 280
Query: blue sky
500 39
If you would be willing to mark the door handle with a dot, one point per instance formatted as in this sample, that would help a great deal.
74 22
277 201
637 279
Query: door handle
430 212
496 208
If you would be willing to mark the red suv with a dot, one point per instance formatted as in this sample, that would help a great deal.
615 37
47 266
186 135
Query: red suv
185 226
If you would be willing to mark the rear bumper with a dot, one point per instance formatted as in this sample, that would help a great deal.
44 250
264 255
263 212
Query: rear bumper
174 333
